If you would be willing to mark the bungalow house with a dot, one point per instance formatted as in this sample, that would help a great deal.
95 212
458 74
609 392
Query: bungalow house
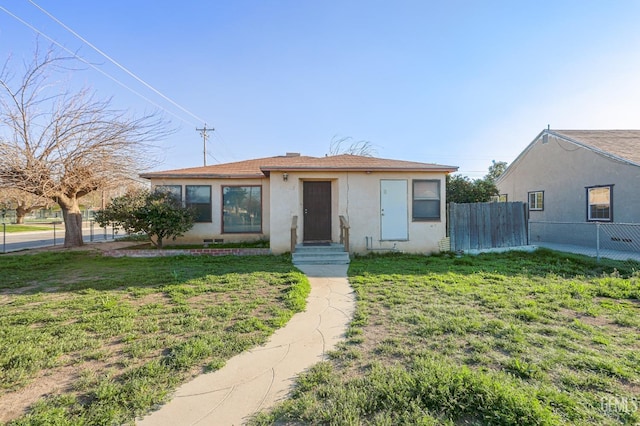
573 179
293 199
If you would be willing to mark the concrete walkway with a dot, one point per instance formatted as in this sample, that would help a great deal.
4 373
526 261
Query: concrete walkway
256 379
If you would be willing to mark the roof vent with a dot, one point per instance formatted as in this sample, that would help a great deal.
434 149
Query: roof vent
293 154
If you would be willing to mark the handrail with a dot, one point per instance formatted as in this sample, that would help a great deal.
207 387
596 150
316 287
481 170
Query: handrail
344 233
294 233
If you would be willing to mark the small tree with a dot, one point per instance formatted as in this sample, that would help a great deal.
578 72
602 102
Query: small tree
496 169
461 189
159 214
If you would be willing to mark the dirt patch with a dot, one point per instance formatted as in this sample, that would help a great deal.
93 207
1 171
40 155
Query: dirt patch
15 404
56 381
598 321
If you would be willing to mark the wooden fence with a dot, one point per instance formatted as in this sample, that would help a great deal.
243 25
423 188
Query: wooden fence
478 226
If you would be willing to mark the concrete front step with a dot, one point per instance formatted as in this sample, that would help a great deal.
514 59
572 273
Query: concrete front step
333 254
320 259
323 248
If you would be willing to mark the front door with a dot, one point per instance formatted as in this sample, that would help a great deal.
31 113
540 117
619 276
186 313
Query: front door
393 210
317 211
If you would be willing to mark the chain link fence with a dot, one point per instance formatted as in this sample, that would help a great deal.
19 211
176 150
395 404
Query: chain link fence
620 241
52 235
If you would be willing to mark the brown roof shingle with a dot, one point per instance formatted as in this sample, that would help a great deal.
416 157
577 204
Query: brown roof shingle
261 167
624 144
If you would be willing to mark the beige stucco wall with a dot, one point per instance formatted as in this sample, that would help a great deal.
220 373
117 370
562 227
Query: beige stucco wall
356 196
213 230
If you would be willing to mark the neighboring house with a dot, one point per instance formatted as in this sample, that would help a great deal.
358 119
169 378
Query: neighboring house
388 204
572 179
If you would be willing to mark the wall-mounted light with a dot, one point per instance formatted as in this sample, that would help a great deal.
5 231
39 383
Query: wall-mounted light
285 177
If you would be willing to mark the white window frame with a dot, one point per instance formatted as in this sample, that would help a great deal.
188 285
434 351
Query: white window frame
419 199
538 200
590 203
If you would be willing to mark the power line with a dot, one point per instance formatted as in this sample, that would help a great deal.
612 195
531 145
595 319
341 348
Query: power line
113 61
217 135
81 59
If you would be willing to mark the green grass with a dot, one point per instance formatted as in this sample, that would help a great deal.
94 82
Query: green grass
26 228
538 338
122 333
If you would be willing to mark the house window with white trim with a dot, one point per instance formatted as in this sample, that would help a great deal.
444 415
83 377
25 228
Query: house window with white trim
600 203
536 201
426 200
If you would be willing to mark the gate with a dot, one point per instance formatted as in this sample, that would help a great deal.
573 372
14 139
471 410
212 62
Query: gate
478 226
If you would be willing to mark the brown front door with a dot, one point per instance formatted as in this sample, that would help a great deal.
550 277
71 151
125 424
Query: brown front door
317 211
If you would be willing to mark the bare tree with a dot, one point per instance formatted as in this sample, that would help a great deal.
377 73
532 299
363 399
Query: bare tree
346 145
22 202
62 144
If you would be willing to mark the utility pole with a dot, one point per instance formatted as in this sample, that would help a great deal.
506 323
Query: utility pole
205 136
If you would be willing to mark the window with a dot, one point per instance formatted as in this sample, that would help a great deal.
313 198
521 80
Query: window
502 198
176 190
599 203
198 197
241 209
536 200
426 200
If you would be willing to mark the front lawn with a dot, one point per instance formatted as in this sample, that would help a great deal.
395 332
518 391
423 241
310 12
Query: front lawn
538 338
92 340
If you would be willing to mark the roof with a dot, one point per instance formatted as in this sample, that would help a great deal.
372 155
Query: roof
624 144
619 145
261 167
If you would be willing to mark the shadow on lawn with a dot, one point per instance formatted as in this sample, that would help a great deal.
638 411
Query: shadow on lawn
541 262
80 270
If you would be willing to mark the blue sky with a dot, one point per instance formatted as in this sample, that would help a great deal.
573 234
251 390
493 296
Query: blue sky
452 82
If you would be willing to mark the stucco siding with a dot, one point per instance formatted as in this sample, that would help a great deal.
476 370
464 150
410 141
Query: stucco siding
356 196
213 229
564 170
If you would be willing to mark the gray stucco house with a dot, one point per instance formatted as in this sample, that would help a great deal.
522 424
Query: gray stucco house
574 179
